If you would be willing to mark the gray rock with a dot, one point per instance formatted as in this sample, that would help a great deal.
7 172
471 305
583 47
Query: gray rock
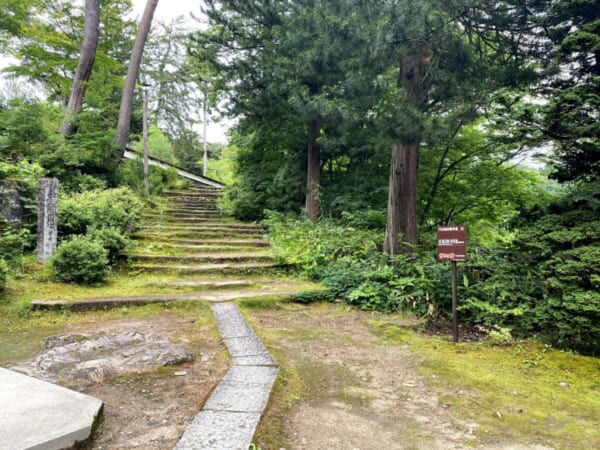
103 356
11 208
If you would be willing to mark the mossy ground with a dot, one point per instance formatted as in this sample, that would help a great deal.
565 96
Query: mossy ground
524 391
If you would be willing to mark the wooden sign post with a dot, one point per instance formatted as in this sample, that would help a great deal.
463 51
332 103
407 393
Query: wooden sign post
452 246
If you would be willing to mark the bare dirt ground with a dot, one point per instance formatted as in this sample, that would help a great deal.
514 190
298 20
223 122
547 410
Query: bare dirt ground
343 390
152 410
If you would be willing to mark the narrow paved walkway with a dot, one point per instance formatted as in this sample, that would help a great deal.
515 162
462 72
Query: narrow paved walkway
232 413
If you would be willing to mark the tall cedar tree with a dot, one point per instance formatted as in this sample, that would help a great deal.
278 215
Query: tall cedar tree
281 59
91 33
131 78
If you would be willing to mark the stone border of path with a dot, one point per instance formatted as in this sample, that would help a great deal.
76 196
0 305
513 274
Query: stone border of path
230 416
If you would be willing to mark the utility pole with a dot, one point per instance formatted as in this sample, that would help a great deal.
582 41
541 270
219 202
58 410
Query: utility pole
145 138
204 142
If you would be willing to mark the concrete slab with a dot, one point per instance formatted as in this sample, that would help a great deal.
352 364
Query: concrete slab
251 374
38 415
220 430
255 360
239 397
230 321
244 346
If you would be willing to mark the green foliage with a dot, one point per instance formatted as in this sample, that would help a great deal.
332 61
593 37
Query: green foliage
14 243
24 129
307 297
131 174
81 259
159 145
3 273
548 282
349 262
499 337
93 219
113 241
117 208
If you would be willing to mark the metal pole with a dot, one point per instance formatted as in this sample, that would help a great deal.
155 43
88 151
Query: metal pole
145 137
454 302
204 142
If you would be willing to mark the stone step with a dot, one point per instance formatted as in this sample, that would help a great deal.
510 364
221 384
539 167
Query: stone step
204 227
192 209
193 203
184 220
193 243
212 223
178 249
183 208
203 284
156 234
115 302
191 196
201 190
216 258
233 268
184 215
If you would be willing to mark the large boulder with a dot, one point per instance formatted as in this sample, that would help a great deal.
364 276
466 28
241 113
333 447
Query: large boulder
102 356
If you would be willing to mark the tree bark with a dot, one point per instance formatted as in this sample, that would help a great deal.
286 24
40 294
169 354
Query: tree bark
402 200
313 176
402 196
87 57
131 78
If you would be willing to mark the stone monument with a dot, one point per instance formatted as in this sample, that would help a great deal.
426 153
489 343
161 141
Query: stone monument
47 219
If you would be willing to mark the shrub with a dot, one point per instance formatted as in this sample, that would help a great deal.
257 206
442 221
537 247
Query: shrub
3 273
81 259
499 337
131 174
349 262
117 208
113 241
14 243
547 283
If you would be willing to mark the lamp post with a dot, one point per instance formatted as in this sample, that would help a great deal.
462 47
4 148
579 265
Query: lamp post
145 87
204 141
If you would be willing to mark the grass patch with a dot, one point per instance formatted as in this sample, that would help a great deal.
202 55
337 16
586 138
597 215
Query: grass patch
527 391
21 334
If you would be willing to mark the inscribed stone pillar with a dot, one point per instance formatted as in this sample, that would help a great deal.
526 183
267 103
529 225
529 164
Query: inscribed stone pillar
47 219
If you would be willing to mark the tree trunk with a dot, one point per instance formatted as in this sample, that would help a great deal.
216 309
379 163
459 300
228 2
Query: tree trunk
131 78
402 196
402 200
83 73
313 177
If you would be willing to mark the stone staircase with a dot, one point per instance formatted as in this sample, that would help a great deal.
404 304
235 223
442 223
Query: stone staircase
214 259
191 236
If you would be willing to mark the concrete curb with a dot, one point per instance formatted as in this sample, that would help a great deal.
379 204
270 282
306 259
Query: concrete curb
115 302
35 414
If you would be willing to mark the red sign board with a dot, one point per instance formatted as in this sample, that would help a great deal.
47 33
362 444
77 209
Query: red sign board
452 243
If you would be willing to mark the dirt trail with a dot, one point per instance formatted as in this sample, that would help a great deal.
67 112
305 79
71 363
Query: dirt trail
356 393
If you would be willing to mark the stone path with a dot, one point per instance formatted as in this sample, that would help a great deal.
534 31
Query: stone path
232 413
213 244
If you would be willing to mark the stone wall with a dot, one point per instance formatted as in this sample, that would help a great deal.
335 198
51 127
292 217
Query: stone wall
11 207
